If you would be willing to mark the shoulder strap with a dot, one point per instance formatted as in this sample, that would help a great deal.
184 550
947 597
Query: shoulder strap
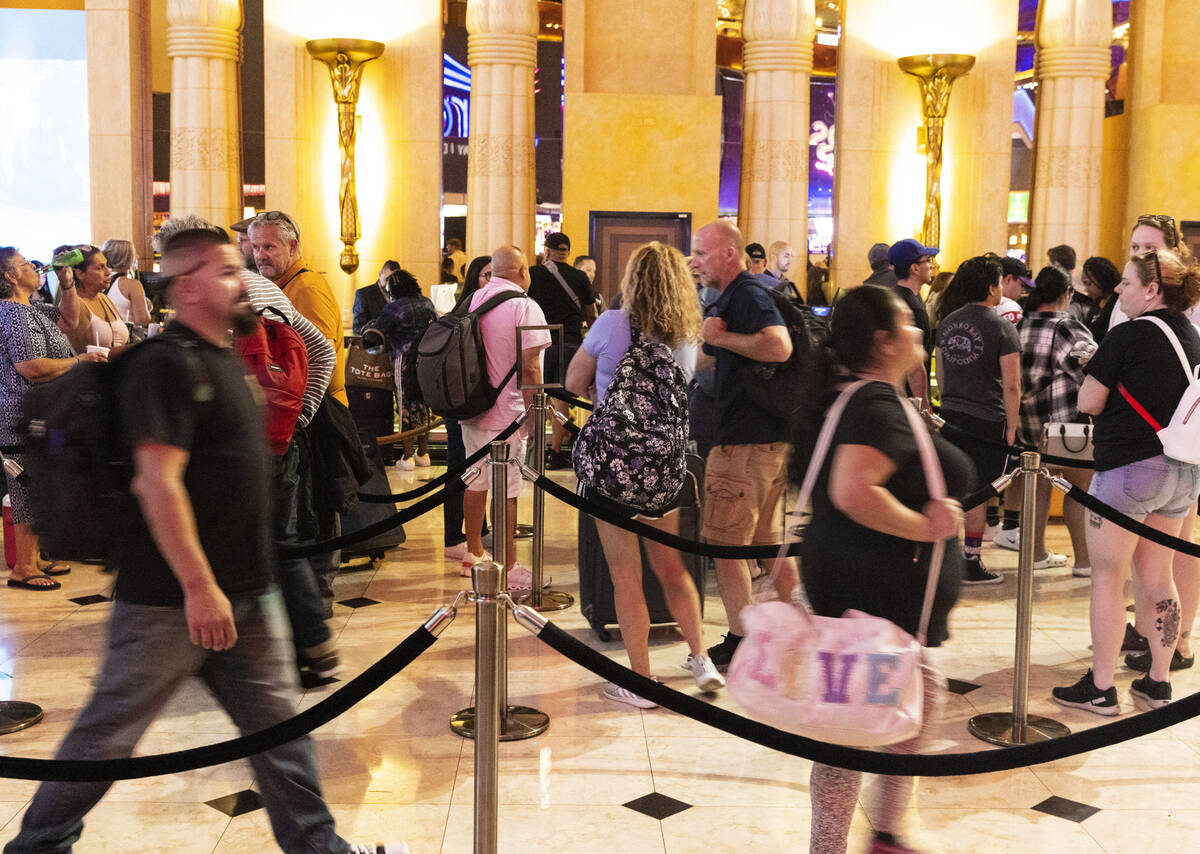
553 268
487 305
282 317
1174 339
934 481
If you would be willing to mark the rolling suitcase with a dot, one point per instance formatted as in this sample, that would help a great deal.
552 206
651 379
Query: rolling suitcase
595 584
374 412
363 514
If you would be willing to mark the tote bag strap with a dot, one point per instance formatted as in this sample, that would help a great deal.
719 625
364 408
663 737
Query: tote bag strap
934 481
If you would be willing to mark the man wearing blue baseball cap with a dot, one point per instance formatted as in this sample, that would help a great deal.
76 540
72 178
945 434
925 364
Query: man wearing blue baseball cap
913 265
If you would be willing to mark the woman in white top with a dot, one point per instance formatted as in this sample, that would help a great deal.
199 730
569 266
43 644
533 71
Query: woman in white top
657 294
106 328
124 289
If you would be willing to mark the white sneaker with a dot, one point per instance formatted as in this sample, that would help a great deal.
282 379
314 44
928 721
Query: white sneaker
470 560
1081 571
458 552
1009 538
379 848
521 578
405 464
621 695
422 461
1052 559
704 672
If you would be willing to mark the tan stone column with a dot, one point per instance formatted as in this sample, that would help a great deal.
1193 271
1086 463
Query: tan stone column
502 53
204 44
1071 65
778 58
120 123
1163 108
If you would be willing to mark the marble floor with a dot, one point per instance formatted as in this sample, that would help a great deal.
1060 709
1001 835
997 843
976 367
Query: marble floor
392 769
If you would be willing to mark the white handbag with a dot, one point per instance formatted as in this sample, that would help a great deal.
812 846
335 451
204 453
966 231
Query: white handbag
1069 440
853 680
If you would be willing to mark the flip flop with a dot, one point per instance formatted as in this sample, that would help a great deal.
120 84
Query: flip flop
24 583
55 568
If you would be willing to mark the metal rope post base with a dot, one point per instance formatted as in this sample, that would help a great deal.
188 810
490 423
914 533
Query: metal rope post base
537 598
491 634
1017 726
16 715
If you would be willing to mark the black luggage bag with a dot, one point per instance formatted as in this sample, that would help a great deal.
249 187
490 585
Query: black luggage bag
363 514
595 583
374 412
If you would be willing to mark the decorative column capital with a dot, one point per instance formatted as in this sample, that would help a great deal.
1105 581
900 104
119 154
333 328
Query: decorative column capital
780 20
1073 39
211 28
503 17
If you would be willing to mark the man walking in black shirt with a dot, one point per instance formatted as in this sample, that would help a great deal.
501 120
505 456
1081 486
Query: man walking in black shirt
195 593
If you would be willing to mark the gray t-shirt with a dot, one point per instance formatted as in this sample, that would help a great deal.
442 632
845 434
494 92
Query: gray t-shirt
972 341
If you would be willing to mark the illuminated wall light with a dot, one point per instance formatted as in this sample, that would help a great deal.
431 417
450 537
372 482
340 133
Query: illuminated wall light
381 20
927 26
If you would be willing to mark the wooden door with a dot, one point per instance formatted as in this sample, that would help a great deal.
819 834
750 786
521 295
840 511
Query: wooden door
614 235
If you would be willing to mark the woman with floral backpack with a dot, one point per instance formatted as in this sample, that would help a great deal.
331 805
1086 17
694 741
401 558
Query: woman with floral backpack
637 357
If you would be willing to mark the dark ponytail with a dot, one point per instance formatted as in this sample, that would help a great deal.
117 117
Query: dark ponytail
858 315
1049 286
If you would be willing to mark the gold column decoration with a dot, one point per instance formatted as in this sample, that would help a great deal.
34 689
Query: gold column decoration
936 73
345 58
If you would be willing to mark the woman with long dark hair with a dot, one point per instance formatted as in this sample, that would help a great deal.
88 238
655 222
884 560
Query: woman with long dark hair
873 525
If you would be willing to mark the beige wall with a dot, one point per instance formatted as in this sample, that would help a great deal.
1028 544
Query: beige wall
879 184
398 151
642 127
1114 190
1164 110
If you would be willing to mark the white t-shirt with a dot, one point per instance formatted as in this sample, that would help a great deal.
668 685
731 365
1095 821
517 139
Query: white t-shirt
1010 310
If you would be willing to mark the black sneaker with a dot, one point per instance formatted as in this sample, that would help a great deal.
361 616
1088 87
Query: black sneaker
722 653
556 460
1134 642
1151 693
1085 695
974 573
1141 661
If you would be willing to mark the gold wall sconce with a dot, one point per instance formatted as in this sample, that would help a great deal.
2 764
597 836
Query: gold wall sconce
936 73
345 58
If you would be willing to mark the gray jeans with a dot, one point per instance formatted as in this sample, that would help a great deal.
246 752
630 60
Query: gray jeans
149 655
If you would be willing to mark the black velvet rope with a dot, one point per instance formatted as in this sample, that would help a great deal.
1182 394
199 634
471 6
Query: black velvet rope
451 474
1017 450
1144 531
299 550
870 761
978 497
643 530
563 394
95 770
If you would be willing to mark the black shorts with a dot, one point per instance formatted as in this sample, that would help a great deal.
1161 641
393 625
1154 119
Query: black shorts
984 443
569 348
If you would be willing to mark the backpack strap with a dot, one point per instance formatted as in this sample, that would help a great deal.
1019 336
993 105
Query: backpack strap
282 317
1187 372
463 306
553 268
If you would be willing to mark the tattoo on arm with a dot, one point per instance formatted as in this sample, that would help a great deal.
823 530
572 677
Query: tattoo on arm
1167 622
1095 519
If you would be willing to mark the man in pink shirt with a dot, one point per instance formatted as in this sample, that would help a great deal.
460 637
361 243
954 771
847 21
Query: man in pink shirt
510 272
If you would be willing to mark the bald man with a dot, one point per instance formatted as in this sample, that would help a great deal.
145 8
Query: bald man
510 275
747 468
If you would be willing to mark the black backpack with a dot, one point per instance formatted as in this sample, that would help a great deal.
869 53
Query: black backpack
76 467
777 387
451 361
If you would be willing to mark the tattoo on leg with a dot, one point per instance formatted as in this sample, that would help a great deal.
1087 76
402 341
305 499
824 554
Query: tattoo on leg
1095 519
1167 622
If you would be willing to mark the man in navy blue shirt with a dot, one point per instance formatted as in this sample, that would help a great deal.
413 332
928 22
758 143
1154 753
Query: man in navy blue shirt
747 469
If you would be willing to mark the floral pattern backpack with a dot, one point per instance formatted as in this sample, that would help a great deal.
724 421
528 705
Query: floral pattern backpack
632 448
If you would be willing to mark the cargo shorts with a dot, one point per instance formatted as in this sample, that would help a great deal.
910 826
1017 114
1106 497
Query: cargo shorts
743 485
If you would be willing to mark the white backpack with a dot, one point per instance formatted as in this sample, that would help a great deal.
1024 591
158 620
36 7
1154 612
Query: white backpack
1181 438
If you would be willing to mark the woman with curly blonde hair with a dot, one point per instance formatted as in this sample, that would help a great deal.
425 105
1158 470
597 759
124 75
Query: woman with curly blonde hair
659 299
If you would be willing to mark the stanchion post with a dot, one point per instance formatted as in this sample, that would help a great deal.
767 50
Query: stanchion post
514 722
490 616
1017 727
536 597
500 550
